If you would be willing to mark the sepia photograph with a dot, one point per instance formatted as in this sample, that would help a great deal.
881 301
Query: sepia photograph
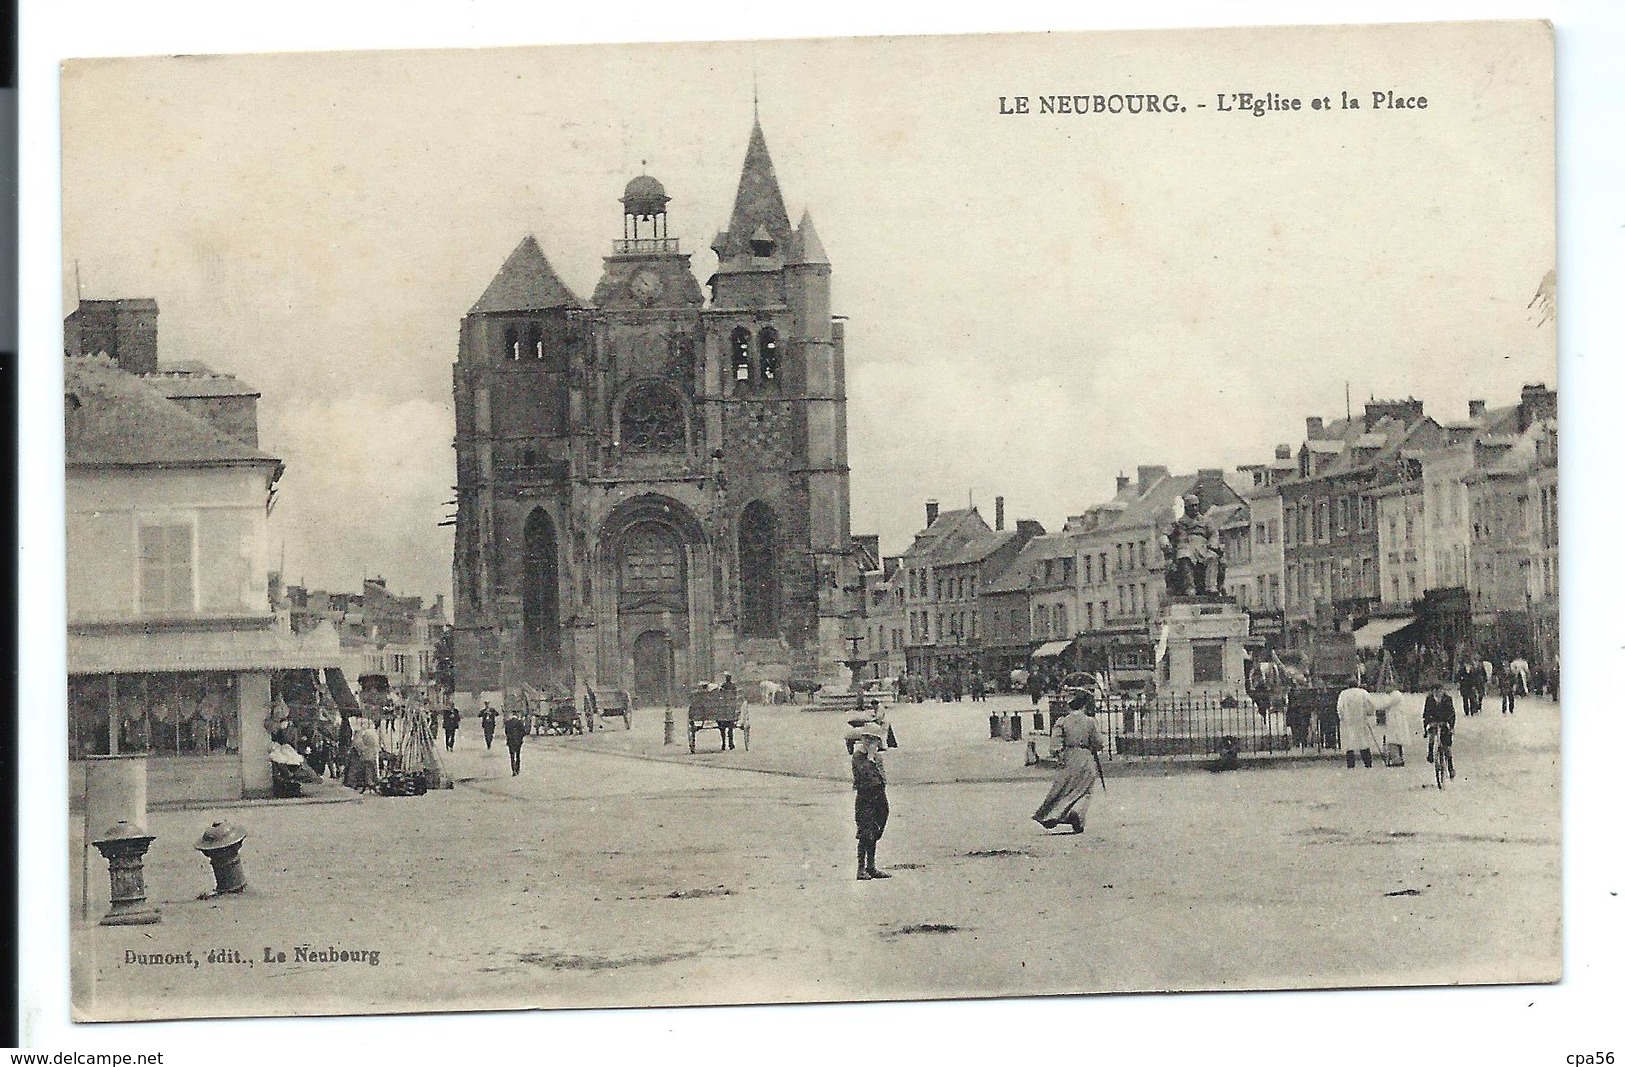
540 520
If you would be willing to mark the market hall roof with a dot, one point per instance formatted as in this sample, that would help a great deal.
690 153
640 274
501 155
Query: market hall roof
526 282
115 419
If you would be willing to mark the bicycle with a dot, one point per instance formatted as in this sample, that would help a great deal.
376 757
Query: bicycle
1444 760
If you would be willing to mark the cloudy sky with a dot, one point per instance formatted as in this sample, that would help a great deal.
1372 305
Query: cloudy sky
1035 302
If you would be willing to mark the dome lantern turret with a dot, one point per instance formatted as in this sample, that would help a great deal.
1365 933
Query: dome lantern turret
643 223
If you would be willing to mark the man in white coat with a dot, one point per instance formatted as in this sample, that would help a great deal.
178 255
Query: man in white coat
1357 721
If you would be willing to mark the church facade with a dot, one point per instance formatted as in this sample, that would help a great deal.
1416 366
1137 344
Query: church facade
652 487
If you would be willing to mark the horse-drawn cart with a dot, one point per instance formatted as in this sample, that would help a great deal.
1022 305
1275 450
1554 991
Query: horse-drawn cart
723 710
612 703
559 716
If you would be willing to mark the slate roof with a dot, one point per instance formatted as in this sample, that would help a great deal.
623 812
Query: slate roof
1017 576
757 203
979 548
806 247
941 536
115 419
526 282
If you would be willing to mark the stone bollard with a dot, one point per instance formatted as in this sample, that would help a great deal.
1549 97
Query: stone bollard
671 728
993 727
125 847
222 844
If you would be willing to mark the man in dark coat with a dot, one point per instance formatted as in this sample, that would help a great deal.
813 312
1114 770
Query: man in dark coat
488 722
514 730
451 718
1469 679
870 808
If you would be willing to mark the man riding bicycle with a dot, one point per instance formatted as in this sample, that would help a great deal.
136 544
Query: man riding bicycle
1439 723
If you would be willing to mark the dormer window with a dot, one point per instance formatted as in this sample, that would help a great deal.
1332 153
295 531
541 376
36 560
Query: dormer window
739 348
769 343
762 243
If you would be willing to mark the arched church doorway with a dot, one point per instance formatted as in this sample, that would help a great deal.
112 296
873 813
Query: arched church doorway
652 668
541 599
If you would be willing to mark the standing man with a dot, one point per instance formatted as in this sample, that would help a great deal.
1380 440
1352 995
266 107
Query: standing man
514 730
870 809
452 718
1068 798
488 722
1466 681
726 729
1035 685
1508 681
1357 720
1439 710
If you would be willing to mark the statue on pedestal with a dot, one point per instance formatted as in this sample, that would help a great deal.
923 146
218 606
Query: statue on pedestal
1193 555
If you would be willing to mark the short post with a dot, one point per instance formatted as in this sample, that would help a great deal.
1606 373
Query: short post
222 844
671 728
125 847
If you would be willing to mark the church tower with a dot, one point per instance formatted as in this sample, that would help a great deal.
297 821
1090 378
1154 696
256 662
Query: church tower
653 488
776 357
519 346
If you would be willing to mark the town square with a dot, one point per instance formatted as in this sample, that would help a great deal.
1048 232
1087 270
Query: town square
711 539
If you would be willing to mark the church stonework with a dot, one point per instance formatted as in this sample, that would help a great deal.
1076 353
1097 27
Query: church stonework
652 488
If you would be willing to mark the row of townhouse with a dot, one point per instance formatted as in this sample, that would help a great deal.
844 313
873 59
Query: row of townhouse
1406 530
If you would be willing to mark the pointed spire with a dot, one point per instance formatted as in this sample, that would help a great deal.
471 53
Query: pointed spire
526 282
758 202
808 248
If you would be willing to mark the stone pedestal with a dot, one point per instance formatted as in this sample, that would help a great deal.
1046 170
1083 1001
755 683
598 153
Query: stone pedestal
1203 641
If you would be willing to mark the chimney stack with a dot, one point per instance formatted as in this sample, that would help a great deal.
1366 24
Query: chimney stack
930 512
1283 451
1149 476
1475 409
998 513
1122 482
1313 427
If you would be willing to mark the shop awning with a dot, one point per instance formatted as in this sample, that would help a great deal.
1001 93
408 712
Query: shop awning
1051 649
1371 634
120 649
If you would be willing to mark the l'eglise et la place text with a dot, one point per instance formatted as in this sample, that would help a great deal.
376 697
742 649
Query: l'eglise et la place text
1257 104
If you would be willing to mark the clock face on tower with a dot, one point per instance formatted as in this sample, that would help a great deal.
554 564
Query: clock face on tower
646 287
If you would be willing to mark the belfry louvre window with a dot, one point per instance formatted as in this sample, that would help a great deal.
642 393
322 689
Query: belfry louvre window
739 349
769 341
652 419
166 568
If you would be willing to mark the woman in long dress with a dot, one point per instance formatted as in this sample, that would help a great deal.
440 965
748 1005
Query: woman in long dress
1068 799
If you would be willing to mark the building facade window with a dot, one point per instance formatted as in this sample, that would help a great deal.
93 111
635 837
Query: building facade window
652 568
165 579
652 420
